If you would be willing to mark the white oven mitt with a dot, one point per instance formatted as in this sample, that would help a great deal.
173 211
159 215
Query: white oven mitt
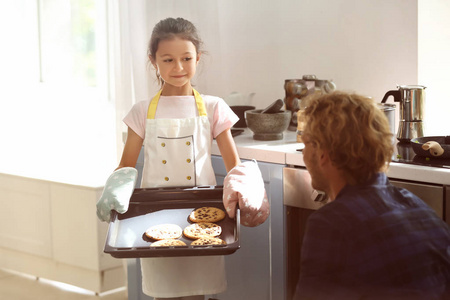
117 193
244 186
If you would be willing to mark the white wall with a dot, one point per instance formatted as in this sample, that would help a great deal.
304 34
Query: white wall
434 63
365 46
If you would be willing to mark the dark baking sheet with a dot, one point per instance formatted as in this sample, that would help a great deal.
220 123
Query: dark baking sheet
149 207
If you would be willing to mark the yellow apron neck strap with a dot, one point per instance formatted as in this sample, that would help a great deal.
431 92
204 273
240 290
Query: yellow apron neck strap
154 103
152 107
200 104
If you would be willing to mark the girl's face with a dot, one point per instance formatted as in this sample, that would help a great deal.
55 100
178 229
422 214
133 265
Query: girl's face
176 61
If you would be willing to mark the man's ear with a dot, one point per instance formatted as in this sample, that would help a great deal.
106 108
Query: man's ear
323 156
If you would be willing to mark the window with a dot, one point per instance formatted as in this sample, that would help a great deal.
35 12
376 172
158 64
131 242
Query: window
55 109
71 42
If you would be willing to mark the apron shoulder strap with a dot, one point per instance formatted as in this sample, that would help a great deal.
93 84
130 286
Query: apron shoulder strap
200 104
152 107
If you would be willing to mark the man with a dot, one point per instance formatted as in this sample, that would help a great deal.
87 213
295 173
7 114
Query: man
372 240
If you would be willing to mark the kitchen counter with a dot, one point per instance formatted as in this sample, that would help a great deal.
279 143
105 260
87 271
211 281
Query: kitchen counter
286 152
276 152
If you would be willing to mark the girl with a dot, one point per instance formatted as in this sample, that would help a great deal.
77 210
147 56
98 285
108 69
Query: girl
176 128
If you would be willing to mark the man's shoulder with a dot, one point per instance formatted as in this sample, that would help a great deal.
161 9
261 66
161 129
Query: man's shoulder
352 205
333 212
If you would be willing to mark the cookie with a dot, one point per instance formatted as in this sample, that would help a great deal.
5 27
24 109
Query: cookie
207 214
206 240
164 231
197 230
169 242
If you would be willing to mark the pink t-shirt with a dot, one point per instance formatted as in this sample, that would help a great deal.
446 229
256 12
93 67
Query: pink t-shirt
220 115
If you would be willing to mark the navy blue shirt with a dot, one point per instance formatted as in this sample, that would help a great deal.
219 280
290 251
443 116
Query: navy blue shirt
375 241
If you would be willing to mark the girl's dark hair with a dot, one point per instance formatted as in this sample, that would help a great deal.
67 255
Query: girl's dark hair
168 29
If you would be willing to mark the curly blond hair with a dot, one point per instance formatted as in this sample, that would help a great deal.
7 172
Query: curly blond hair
353 130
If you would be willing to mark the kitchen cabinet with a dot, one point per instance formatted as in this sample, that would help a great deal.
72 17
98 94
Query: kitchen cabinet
447 204
299 205
50 230
256 270
433 195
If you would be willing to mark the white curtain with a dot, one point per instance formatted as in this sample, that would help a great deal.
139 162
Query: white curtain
131 24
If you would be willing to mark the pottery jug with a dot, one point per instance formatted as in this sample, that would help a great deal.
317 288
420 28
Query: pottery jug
297 89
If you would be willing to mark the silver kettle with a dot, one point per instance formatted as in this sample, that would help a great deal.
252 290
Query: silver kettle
412 104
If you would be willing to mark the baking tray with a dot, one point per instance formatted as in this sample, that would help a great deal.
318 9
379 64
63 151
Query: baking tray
149 207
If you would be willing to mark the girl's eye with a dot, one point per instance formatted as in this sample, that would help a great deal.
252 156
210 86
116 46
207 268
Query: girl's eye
167 60
188 58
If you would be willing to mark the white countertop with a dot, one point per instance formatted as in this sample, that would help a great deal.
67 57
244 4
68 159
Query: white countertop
286 152
267 151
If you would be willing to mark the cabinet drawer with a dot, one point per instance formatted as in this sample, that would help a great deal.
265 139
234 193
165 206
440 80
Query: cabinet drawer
431 195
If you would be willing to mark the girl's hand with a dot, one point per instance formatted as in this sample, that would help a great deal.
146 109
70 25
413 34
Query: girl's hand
120 185
243 187
117 193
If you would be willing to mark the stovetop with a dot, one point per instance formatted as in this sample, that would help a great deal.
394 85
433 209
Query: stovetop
403 153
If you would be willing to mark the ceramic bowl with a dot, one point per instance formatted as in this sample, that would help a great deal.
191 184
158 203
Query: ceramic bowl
267 127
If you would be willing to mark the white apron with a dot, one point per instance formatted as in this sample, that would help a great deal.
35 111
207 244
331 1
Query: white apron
178 153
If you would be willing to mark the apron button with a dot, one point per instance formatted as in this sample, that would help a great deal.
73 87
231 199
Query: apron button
188 143
188 178
163 144
188 160
164 161
166 178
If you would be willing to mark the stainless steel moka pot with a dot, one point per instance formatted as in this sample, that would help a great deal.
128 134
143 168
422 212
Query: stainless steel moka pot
412 104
